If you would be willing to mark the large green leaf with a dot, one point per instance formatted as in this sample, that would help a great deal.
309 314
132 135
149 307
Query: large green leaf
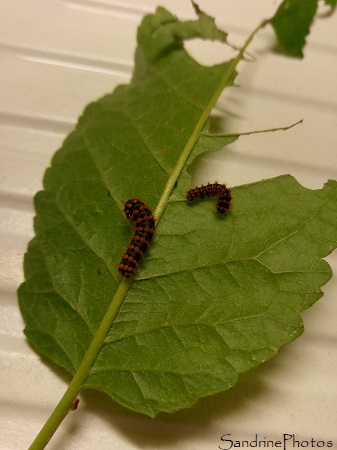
215 296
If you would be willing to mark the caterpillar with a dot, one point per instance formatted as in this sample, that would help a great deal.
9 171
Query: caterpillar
220 191
143 221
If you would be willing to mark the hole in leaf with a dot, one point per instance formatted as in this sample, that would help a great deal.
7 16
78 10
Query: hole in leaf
209 53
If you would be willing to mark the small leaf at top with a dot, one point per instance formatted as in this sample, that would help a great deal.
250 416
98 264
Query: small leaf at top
292 24
331 2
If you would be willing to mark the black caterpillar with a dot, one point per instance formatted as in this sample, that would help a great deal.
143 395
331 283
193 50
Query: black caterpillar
143 222
219 191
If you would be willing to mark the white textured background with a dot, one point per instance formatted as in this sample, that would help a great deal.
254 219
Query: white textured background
58 55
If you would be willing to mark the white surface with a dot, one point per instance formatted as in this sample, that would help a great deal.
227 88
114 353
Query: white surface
59 55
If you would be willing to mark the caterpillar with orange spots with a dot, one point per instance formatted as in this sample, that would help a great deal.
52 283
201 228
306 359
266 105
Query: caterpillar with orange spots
220 191
143 221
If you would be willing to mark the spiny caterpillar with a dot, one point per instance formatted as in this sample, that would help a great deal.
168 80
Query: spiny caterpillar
219 191
143 222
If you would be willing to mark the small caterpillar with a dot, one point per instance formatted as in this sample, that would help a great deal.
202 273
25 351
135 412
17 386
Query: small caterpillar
143 222
220 191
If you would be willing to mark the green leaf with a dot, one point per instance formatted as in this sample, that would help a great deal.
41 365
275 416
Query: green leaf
331 2
292 24
215 296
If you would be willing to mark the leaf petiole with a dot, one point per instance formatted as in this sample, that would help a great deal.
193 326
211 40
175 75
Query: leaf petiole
247 133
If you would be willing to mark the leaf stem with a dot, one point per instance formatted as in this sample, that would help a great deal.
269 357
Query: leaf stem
247 133
198 129
66 402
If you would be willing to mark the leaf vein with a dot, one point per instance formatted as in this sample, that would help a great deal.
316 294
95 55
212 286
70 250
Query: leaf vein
61 295
174 89
84 240
110 340
137 128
